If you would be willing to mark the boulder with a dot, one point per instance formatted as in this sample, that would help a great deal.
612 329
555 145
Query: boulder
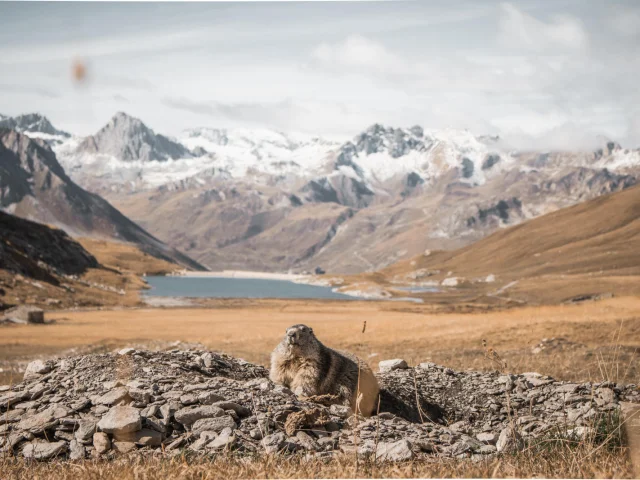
121 419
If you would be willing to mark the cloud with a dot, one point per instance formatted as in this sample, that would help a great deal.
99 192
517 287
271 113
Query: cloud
29 90
359 52
625 21
523 32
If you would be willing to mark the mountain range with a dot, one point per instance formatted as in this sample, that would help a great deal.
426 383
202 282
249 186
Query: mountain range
266 200
34 186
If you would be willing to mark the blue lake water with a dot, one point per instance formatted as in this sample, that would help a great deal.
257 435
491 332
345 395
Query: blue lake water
211 287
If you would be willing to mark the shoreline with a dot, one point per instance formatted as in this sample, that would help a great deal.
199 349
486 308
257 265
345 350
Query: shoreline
292 277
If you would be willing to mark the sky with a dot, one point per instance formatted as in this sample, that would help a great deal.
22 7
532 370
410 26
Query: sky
541 74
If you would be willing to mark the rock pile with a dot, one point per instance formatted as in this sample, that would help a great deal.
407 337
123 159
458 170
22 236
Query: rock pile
162 403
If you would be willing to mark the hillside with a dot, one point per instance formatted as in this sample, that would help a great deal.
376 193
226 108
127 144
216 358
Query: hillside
43 266
586 250
34 185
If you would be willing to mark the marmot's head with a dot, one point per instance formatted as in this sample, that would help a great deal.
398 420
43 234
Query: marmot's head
299 338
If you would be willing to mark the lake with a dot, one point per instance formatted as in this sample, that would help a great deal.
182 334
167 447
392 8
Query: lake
213 287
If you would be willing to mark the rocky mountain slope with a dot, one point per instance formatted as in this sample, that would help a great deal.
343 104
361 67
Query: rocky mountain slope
272 201
585 251
128 139
34 185
36 251
205 402
34 124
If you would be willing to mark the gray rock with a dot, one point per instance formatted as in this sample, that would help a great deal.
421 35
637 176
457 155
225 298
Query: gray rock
144 438
225 440
188 416
274 443
394 452
509 440
114 396
239 409
124 447
41 450
395 364
76 450
341 411
305 440
216 424
85 431
208 398
121 419
39 422
142 396
37 367
101 442
11 416
127 351
489 438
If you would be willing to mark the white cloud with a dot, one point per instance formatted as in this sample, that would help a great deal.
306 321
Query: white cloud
519 30
357 52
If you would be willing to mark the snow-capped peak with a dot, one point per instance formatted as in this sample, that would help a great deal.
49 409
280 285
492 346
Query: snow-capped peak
32 124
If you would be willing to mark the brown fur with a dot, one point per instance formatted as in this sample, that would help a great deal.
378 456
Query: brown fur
309 368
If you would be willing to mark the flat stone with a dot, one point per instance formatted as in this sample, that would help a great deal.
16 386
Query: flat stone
489 438
125 447
395 364
239 409
225 440
188 416
40 450
144 438
114 396
208 398
39 422
12 398
216 424
127 351
394 452
121 419
101 442
11 416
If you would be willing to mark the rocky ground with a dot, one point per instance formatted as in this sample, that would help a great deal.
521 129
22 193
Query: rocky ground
137 402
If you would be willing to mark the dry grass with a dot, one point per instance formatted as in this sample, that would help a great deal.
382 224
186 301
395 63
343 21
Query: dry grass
560 460
126 257
601 332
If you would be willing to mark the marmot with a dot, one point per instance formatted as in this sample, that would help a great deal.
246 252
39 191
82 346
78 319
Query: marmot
302 363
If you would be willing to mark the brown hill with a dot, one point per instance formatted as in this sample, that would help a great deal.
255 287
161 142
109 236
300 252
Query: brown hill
43 266
586 250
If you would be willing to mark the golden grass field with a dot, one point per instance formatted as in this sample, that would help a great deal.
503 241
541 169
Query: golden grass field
251 329
604 336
